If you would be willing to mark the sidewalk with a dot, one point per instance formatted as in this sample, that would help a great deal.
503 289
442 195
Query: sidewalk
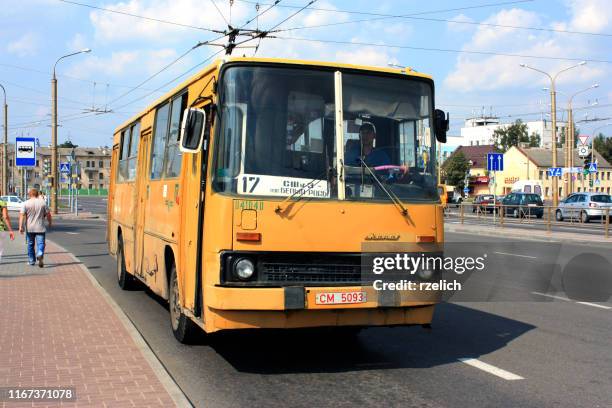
60 329
527 234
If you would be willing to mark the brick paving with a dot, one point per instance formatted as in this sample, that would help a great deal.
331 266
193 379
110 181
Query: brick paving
57 330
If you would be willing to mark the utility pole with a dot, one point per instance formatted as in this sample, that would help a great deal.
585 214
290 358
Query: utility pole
5 183
553 114
54 172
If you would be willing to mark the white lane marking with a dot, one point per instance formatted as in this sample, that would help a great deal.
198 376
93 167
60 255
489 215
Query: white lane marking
595 305
569 300
552 296
72 233
522 256
506 375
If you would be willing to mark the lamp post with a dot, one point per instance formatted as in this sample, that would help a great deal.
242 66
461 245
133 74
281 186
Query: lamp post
593 149
553 114
54 174
4 147
570 140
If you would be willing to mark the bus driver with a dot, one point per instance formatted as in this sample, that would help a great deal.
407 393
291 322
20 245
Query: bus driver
365 149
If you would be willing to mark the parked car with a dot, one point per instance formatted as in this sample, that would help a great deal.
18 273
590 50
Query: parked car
13 203
584 206
484 203
523 205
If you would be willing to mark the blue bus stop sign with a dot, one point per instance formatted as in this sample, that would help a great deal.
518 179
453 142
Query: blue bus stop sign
25 152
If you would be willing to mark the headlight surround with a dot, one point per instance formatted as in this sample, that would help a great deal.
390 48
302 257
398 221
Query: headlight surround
244 269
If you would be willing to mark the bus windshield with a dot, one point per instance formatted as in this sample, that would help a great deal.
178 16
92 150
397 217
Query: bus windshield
276 135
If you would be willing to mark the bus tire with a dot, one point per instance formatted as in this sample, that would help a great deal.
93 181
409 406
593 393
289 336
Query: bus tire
124 278
183 328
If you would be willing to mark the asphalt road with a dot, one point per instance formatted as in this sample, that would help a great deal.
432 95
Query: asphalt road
540 351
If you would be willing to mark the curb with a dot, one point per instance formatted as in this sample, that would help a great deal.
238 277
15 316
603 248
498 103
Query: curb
164 377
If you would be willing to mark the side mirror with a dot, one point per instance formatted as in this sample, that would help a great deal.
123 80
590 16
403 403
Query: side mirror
192 130
440 125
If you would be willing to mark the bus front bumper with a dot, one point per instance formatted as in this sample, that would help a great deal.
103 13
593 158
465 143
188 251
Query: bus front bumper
314 298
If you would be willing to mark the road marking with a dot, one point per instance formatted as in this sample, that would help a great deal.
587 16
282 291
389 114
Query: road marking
506 375
72 233
522 256
552 296
595 305
569 300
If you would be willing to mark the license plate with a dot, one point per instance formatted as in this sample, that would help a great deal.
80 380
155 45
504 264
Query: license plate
532 205
340 298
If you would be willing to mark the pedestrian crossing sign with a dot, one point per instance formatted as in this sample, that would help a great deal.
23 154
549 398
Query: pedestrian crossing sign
65 168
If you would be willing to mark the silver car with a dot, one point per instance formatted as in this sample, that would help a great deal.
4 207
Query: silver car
584 206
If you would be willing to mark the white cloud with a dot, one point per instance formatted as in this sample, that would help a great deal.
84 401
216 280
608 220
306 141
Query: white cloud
116 27
460 27
590 15
24 46
481 73
123 63
365 56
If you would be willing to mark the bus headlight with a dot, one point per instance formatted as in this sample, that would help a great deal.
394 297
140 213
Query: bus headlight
244 269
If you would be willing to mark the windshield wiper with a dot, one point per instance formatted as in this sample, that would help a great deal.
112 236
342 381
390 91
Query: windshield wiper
394 198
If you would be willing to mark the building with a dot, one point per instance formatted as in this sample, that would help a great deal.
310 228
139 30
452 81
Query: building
479 130
532 164
93 162
478 174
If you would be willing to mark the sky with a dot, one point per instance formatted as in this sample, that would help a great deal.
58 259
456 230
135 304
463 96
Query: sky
472 48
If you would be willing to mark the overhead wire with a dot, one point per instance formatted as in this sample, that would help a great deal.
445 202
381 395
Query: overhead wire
153 19
447 50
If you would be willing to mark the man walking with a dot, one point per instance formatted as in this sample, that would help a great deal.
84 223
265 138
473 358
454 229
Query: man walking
33 212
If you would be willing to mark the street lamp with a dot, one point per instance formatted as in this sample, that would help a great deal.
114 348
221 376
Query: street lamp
54 175
593 148
4 147
553 112
570 141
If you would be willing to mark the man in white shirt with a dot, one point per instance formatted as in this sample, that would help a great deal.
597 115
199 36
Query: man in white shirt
33 212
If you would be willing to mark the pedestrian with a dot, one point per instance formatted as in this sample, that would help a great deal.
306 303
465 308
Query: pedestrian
5 225
33 213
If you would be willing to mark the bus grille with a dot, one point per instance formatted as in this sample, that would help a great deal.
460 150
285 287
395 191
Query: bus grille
310 273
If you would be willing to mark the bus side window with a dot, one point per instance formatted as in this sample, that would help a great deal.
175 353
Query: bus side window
160 136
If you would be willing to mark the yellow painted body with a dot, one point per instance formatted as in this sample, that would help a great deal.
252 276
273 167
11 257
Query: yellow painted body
157 220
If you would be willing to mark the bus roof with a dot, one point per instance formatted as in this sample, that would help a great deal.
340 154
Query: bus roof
214 65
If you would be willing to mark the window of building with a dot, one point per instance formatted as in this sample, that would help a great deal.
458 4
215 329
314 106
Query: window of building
90 186
541 175
608 175
101 176
578 189
101 186
166 156
37 163
100 164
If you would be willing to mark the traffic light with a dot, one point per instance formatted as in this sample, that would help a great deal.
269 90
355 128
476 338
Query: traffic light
46 167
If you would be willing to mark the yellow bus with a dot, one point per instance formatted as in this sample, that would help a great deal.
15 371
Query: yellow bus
246 197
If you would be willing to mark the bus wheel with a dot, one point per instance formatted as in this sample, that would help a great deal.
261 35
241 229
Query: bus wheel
183 328
125 280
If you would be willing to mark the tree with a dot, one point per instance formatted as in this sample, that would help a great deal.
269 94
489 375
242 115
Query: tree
534 140
68 144
455 168
508 136
603 145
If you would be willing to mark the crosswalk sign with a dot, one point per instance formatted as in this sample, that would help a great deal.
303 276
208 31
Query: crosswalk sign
65 168
593 168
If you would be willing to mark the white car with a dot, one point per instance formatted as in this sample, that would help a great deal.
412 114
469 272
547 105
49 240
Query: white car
13 203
